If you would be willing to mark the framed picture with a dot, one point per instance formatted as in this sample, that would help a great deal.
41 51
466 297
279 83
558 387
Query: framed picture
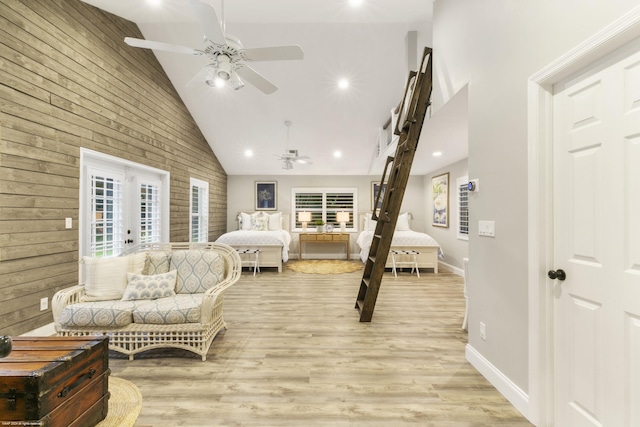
440 194
375 189
266 195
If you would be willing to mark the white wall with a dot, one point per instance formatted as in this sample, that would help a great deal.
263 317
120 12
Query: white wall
495 45
240 198
454 249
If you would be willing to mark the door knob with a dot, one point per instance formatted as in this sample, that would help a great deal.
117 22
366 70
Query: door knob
557 274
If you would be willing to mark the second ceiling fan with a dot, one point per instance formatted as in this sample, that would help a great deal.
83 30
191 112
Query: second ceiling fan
225 54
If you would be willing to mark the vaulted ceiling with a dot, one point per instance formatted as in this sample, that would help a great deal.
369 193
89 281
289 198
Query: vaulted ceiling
365 45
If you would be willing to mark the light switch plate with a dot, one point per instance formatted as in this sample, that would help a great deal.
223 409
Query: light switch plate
487 228
68 223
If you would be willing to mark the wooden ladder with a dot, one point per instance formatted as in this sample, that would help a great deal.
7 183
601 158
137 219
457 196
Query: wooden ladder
411 116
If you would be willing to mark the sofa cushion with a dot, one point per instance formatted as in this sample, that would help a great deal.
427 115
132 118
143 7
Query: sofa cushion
183 308
150 287
98 314
157 263
198 270
106 278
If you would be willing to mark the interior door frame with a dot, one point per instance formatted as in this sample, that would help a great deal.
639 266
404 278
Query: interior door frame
540 210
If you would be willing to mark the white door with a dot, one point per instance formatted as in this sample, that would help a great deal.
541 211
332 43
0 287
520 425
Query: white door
597 244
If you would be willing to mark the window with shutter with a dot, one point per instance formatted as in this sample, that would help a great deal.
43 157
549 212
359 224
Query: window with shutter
463 208
324 204
199 225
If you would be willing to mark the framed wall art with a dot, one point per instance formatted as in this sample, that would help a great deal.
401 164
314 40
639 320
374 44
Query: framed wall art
266 195
440 197
375 189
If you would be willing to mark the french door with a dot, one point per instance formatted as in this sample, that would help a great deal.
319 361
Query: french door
122 204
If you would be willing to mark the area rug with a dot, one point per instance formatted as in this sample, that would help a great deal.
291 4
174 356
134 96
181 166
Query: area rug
324 266
125 404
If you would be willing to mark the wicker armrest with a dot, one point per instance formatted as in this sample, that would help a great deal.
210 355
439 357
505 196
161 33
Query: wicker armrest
65 297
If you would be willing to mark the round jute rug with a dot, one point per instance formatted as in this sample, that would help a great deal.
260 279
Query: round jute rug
125 404
324 266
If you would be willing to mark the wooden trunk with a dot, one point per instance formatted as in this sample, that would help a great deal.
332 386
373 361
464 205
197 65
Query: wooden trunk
55 381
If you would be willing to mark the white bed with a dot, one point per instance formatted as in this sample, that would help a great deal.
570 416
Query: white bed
403 239
273 242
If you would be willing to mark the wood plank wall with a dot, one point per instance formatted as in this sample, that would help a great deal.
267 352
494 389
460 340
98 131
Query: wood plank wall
67 80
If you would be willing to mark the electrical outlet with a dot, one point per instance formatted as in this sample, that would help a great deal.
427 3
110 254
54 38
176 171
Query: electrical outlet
483 331
44 303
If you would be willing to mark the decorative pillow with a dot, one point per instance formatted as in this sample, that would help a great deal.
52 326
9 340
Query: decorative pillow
275 221
198 270
260 223
157 263
106 278
150 287
403 222
245 221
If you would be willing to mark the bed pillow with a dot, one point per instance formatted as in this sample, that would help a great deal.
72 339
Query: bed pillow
403 222
150 287
260 223
369 224
245 221
275 221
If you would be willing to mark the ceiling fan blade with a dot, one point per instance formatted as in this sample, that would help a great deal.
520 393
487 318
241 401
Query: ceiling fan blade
209 22
275 53
303 158
304 162
251 76
148 44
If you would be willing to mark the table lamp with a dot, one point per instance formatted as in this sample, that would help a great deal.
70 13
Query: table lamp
304 218
342 218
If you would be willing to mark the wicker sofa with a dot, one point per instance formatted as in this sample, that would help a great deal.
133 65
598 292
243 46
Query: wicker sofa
161 295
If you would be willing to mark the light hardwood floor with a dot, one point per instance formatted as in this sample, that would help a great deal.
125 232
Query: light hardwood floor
295 354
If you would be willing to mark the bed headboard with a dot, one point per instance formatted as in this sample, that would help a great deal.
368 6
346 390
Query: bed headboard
286 225
363 225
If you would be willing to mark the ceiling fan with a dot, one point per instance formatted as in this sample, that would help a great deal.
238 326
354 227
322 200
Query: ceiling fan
225 54
291 156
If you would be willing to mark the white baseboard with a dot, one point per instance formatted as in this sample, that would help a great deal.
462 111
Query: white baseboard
43 331
518 398
455 270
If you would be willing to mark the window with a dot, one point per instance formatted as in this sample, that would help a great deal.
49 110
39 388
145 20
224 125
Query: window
122 204
463 207
149 212
324 204
107 222
199 224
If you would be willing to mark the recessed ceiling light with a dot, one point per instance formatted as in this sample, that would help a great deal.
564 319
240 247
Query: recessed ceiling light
248 153
337 154
437 153
343 83
355 3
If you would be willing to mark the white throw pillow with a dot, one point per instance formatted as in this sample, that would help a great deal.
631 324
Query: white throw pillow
150 287
275 221
106 278
403 222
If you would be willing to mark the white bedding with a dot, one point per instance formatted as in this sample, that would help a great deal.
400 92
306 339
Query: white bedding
250 237
400 238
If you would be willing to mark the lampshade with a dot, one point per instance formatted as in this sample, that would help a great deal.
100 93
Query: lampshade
342 216
304 216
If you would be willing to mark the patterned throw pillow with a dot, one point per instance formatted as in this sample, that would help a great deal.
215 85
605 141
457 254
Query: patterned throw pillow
157 263
260 223
150 287
198 270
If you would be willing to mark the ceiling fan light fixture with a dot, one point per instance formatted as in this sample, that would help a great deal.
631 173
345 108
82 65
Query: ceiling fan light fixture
287 165
236 81
224 67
